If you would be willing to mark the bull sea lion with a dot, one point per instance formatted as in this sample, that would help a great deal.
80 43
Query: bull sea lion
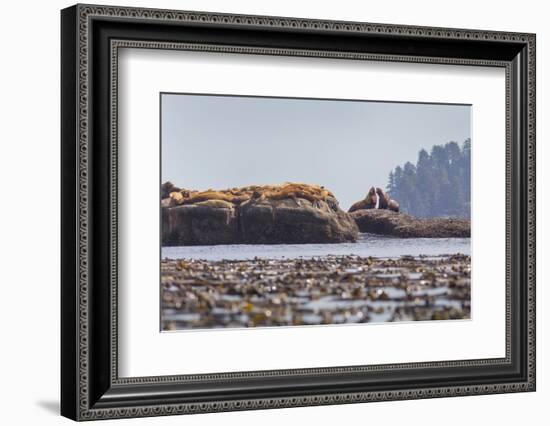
383 199
368 203
385 202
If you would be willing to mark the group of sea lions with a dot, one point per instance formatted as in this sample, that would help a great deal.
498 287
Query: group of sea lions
376 197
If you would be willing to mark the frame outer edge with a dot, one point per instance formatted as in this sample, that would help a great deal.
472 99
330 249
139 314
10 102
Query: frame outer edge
83 104
69 221
531 211
83 13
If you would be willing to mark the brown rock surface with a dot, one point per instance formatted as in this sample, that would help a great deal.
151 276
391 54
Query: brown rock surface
387 222
268 214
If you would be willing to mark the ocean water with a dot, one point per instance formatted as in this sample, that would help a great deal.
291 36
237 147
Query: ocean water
367 245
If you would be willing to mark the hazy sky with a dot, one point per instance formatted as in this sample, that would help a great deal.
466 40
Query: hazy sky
347 146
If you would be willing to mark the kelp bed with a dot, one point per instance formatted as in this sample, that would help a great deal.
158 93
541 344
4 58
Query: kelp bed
321 290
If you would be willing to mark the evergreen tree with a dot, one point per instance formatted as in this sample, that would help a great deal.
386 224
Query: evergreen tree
439 184
391 183
425 180
397 178
408 188
466 167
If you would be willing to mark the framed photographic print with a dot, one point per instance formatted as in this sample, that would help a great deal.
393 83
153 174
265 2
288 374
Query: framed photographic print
263 212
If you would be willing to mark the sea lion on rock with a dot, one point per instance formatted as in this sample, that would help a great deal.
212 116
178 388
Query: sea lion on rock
166 188
368 203
176 197
385 202
383 199
393 205
291 213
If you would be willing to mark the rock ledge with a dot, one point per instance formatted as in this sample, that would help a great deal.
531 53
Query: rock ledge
387 222
291 213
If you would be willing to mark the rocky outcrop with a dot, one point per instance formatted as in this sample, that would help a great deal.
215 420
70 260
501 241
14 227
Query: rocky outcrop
387 222
203 223
268 214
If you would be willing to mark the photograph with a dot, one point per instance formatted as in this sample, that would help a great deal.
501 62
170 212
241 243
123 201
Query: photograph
282 211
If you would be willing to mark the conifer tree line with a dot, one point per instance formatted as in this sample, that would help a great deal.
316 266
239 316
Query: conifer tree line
439 184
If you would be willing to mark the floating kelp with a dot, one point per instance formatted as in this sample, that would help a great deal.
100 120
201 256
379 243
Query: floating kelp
307 291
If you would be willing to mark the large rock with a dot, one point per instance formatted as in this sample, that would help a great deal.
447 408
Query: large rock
274 214
387 222
204 223
295 221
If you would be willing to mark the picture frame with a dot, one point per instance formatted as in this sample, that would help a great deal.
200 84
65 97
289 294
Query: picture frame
91 387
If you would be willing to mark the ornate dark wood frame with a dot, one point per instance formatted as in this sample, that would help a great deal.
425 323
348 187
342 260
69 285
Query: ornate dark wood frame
91 37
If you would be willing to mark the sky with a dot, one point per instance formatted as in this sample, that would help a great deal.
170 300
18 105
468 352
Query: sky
219 142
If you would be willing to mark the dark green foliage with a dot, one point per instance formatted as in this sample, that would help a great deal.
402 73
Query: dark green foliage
439 184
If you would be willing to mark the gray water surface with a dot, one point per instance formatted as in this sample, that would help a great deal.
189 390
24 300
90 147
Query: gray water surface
367 245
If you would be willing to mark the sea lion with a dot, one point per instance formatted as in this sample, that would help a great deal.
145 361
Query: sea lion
383 199
166 188
177 197
393 205
385 202
368 203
